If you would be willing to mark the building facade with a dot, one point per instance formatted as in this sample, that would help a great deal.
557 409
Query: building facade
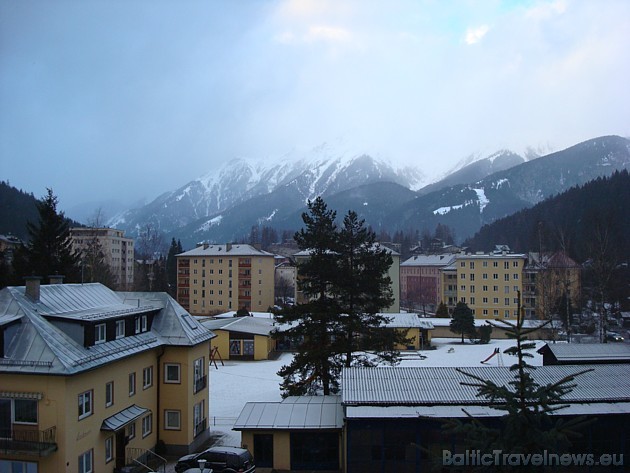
93 380
118 250
216 278
489 284
421 281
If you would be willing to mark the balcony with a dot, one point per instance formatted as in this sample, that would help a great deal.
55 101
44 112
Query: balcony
200 384
30 442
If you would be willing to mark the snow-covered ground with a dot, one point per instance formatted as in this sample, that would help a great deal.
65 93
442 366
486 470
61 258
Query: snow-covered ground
237 382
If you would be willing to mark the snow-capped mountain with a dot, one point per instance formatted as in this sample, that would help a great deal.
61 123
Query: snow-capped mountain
325 170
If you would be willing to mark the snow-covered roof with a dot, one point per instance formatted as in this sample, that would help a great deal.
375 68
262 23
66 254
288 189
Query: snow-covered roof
293 413
443 386
252 325
429 260
38 345
588 351
225 250
407 320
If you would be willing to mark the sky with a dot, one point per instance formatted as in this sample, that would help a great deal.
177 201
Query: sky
127 99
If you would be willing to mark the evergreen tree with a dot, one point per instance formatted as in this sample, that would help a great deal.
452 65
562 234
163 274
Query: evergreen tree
171 265
316 366
463 321
527 426
49 250
442 311
363 288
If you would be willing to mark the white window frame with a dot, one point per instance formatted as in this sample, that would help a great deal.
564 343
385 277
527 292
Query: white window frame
86 407
144 323
178 417
100 333
120 329
132 384
109 449
147 377
169 380
86 462
109 392
147 425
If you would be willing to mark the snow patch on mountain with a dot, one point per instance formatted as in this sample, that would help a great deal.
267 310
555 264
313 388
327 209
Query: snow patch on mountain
210 223
445 210
481 197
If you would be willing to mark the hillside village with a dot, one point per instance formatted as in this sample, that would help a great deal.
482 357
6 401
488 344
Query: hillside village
137 362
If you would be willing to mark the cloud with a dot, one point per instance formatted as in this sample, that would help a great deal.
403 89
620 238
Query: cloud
327 33
546 11
474 35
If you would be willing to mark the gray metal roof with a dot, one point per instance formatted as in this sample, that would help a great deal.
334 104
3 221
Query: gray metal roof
35 344
123 418
588 351
292 413
441 412
443 386
225 250
252 325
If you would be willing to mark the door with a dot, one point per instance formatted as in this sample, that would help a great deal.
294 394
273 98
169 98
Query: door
263 450
120 448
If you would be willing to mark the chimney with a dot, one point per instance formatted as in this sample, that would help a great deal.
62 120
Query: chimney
55 279
32 287
228 247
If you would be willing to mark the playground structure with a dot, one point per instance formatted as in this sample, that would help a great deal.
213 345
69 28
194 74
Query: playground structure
496 353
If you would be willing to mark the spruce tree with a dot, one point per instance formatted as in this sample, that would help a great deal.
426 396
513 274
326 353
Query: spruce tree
463 321
442 311
362 290
528 425
49 250
316 366
171 265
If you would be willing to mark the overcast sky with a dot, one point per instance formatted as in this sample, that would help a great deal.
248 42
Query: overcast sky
130 98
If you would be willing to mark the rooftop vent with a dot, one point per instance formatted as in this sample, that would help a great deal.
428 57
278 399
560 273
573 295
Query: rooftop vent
32 287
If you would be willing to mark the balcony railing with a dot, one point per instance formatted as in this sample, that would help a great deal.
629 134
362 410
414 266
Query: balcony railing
142 460
200 384
40 443
200 427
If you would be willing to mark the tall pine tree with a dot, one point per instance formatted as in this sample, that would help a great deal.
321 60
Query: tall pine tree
49 250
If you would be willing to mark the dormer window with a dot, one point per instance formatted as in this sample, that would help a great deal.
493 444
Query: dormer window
120 329
142 324
99 333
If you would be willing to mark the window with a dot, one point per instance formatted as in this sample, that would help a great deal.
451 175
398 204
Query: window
472 288
132 383
495 312
506 265
472 276
109 449
485 288
485 311
515 276
495 264
99 333
462 276
109 394
506 289
147 377
506 277
495 300
120 329
472 265
484 276
171 373
515 264
506 314
472 300
485 264
485 300
462 264
85 404
199 419
462 288
131 430
515 288
199 381
495 288
144 323
25 411
495 276
147 425
172 420
85 462
137 327
507 301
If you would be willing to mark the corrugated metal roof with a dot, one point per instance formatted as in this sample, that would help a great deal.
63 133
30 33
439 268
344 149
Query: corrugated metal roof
429 260
407 320
432 385
588 351
222 250
293 413
37 345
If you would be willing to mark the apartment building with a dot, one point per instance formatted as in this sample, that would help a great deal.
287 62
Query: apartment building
218 278
421 280
117 249
488 283
92 380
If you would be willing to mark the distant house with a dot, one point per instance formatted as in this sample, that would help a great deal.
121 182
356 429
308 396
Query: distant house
585 353
421 281
416 329
300 433
242 338
92 380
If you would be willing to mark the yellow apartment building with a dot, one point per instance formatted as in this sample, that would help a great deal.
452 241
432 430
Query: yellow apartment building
117 249
217 278
93 380
488 283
